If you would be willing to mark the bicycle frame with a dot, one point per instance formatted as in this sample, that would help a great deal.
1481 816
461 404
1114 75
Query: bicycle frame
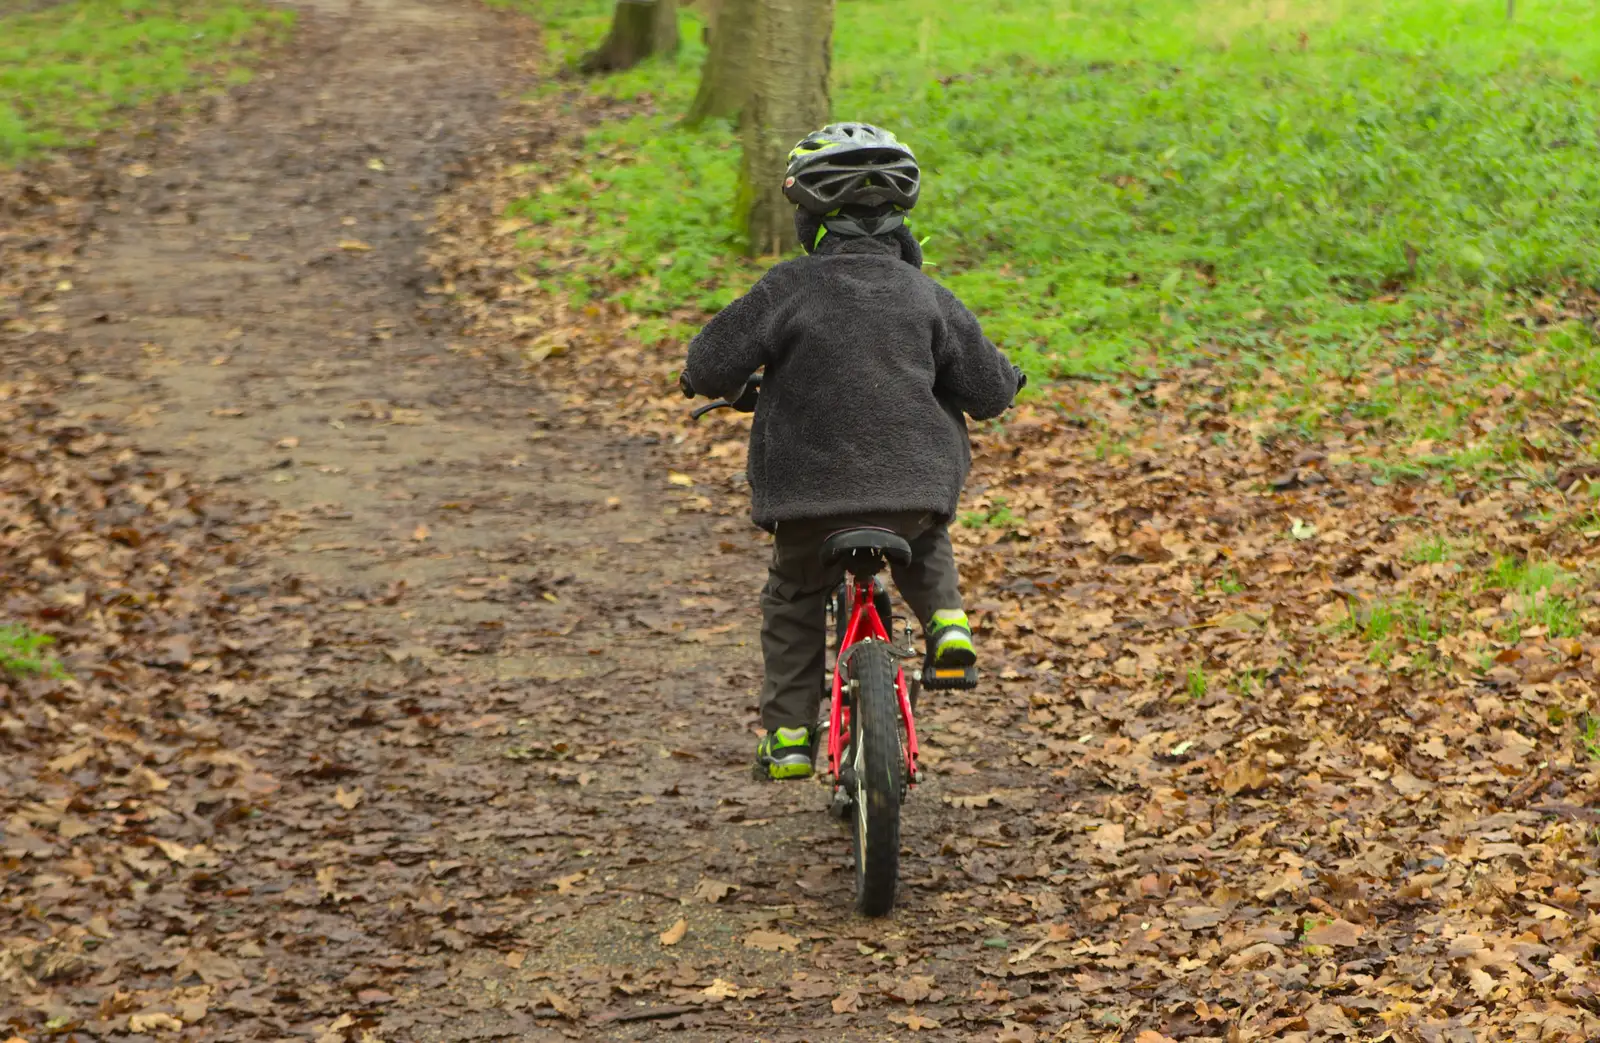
865 625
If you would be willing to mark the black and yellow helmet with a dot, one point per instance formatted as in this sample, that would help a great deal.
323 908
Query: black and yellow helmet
851 165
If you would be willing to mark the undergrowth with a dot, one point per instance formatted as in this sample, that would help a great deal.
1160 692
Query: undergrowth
66 71
23 654
1310 194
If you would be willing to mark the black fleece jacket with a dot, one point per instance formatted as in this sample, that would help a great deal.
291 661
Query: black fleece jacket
869 367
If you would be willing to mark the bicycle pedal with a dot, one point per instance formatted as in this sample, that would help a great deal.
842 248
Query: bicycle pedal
948 678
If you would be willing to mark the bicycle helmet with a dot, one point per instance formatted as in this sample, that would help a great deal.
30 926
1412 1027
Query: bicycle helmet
851 165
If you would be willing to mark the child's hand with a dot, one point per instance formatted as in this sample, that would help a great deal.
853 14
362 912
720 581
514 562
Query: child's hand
746 402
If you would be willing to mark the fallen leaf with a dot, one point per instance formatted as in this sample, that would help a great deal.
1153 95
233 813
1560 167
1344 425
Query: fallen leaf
1243 776
211 966
1016 1032
913 1021
914 989
420 533
565 884
713 891
71 762
1111 837
355 245
1339 932
563 1006
847 1002
771 941
679 479
153 1023
720 990
193 1005
150 780
348 799
674 934
805 989
334 1033
514 960
328 881
173 850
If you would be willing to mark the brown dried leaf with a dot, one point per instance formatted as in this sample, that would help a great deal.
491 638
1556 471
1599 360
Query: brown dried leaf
1339 932
771 941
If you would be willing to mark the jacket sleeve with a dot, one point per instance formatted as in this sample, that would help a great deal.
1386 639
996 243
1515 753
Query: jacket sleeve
973 375
733 345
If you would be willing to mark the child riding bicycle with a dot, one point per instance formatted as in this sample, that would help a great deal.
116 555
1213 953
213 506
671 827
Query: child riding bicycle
869 366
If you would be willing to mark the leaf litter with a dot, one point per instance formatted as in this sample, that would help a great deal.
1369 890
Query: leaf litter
1236 807
1206 795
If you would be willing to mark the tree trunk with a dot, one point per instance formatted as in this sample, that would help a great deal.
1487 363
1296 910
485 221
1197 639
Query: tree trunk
725 76
707 11
788 100
639 29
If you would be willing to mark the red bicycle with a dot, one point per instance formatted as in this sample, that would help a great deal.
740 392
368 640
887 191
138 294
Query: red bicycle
872 730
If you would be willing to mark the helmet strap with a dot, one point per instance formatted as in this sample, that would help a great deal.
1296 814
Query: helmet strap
856 226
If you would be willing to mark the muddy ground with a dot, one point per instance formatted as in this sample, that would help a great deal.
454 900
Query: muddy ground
536 672
462 725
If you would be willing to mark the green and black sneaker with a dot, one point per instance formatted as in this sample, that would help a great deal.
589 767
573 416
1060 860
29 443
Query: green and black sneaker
784 754
952 661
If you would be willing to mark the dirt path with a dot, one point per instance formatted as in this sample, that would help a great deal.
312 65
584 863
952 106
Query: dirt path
511 702
460 723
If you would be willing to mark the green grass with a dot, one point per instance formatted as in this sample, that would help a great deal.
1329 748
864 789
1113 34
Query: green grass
1000 516
1387 624
1191 177
1542 601
67 71
22 654
1431 550
1589 735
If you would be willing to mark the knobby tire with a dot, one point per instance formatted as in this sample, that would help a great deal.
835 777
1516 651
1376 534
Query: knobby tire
880 766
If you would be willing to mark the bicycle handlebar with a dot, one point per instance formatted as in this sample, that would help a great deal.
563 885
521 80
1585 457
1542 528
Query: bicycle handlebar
723 403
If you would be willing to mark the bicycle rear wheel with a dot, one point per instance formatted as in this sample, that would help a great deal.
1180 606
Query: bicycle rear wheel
878 765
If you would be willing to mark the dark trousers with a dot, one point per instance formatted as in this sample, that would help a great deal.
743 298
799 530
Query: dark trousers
793 626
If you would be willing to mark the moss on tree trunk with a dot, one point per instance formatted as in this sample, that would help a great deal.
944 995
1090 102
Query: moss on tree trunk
725 76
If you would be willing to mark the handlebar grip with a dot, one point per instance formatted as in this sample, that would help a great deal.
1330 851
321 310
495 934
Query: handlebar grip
720 403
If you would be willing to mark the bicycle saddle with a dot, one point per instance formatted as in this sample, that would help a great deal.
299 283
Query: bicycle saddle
848 541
